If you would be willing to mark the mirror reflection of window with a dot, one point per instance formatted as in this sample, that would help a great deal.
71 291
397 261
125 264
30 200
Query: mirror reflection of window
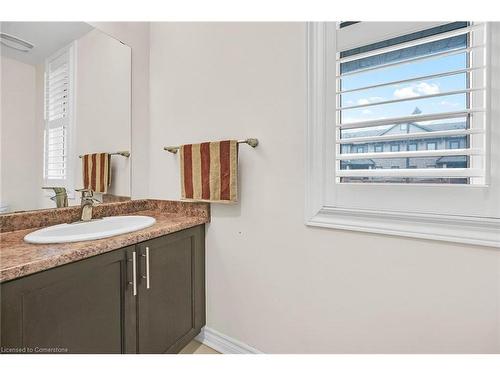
58 166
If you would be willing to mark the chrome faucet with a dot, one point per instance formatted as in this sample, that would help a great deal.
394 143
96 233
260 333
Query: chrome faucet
61 197
87 204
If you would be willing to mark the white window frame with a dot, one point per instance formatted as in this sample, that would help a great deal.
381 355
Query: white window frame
336 205
69 181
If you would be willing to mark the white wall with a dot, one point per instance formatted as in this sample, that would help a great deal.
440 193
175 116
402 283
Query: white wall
21 185
136 36
103 97
272 282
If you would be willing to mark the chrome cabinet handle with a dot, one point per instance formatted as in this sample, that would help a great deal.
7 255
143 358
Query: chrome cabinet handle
134 272
146 276
147 267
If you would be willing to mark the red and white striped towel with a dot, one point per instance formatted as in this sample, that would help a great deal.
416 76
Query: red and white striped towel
97 172
209 171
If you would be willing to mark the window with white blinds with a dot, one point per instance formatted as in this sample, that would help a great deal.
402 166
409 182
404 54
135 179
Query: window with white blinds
58 117
411 109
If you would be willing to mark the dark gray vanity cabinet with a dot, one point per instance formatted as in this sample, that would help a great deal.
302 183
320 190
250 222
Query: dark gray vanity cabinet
93 306
171 303
80 307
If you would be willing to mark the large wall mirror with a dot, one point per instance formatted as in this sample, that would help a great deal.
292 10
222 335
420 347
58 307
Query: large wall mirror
65 115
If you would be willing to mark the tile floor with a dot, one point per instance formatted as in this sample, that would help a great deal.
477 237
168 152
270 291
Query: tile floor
194 347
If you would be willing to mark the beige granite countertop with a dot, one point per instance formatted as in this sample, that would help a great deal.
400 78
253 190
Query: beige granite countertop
18 258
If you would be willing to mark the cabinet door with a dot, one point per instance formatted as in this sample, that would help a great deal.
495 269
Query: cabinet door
83 307
172 306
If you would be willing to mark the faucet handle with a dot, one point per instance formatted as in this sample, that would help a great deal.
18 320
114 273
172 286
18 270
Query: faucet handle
86 193
95 200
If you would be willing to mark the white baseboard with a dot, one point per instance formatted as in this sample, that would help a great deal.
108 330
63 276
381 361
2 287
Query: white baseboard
224 344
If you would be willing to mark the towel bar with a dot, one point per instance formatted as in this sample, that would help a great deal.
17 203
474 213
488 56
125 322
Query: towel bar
253 142
121 153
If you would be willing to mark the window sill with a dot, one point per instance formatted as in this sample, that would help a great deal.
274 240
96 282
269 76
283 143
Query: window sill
460 229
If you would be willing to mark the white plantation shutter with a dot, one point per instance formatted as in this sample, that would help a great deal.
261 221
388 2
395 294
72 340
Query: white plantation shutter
59 82
401 132
438 80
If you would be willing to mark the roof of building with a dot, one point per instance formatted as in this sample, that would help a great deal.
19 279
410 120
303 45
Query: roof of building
396 129
361 162
452 159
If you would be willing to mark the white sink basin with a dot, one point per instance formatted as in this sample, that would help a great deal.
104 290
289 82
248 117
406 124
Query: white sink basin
90 230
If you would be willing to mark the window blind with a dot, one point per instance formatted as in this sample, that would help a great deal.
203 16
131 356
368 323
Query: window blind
58 92
412 109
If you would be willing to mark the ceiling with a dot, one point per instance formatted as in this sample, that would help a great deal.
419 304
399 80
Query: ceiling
47 38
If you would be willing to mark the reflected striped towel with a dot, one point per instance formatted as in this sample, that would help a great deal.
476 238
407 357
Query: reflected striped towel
97 172
209 171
